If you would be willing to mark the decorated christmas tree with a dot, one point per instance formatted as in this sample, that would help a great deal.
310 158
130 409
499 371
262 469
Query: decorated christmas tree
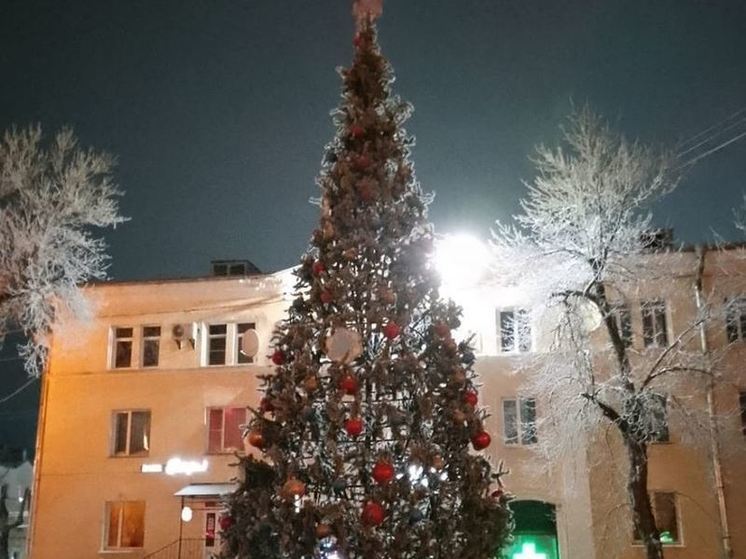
369 426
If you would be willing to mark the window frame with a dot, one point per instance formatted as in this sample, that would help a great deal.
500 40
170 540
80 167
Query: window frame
521 332
526 432
208 420
150 338
232 344
622 316
648 309
735 319
115 338
679 542
128 438
108 505
664 435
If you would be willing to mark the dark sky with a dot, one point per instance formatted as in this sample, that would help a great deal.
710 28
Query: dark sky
218 110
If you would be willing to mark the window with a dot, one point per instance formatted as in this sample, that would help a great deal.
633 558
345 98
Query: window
654 328
223 344
216 344
666 517
742 405
623 320
122 348
224 429
519 421
240 329
151 341
514 331
125 526
131 433
132 347
735 319
658 427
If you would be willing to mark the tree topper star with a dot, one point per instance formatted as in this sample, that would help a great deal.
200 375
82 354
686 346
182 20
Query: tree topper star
367 9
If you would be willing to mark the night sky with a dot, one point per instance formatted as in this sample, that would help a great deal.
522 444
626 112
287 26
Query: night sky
219 111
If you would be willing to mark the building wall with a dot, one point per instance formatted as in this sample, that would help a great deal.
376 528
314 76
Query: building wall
76 472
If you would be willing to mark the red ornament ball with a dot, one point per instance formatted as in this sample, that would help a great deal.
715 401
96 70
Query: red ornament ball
383 472
349 384
326 297
318 268
373 514
256 439
481 440
497 494
471 398
226 522
391 330
354 426
357 131
278 357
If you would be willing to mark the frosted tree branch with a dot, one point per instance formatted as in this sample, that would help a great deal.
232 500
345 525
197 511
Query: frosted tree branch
51 197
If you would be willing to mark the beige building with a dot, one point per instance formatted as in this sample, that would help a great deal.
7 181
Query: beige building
142 405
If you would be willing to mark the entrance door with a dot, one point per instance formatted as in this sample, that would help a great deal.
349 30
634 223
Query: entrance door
212 533
535 535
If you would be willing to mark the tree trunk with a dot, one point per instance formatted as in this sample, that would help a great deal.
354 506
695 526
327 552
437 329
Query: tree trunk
642 510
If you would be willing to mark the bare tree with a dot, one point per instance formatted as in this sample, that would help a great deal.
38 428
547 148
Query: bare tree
581 249
51 197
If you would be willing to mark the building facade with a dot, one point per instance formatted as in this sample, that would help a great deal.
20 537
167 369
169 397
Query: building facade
142 406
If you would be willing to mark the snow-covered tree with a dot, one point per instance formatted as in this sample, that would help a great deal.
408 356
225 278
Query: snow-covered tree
740 216
582 248
51 197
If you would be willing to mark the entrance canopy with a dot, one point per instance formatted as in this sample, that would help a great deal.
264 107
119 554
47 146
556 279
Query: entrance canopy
197 490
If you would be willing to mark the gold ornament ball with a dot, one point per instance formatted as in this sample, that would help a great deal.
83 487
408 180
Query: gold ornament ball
294 488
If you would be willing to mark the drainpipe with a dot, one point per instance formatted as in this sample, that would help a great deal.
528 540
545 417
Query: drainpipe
717 467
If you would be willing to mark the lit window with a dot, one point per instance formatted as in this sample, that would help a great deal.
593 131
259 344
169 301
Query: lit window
223 344
623 320
519 421
654 327
131 433
125 525
122 347
240 329
224 429
666 517
151 341
735 319
514 331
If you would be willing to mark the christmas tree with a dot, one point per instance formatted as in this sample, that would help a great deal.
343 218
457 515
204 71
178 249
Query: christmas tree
369 423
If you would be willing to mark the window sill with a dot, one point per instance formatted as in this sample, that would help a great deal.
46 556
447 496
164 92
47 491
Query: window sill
144 455
120 551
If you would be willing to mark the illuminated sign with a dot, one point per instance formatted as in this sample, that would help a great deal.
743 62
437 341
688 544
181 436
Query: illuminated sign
176 466
151 468
528 551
